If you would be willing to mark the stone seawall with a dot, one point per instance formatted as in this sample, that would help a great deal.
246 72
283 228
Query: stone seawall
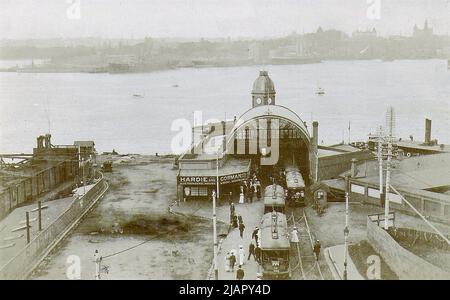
403 262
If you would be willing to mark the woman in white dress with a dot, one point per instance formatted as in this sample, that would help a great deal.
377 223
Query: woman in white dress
227 262
241 255
241 196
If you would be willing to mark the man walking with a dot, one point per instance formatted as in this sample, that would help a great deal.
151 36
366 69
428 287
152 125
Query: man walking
232 212
241 229
258 191
317 249
251 251
255 235
232 261
240 273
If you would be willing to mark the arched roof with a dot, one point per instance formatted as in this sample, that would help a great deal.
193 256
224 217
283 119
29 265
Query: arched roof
273 111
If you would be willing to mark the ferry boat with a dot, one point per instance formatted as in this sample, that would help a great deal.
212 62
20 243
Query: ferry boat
320 91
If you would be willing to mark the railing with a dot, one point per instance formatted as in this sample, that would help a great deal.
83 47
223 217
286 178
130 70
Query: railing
27 259
379 218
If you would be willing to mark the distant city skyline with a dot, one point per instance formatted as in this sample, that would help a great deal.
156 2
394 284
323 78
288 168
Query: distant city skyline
27 19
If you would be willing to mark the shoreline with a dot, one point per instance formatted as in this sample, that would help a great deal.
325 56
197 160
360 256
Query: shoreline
81 70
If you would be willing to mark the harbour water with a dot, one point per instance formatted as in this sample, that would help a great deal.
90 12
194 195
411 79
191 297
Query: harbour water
101 107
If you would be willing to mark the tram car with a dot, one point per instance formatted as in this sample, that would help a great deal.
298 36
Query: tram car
275 246
274 199
295 186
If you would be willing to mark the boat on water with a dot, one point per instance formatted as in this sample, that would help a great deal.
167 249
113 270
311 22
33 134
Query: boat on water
320 91
137 96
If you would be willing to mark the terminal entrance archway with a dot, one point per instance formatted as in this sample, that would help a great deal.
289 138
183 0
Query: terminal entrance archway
275 138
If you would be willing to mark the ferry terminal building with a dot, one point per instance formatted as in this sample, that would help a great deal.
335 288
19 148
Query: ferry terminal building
246 146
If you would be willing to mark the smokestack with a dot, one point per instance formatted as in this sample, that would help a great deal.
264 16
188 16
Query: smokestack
427 131
354 170
315 134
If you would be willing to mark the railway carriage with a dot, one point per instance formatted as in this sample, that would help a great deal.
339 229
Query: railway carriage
295 187
274 199
275 246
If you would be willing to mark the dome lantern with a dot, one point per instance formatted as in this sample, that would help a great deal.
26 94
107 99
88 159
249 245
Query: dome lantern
263 91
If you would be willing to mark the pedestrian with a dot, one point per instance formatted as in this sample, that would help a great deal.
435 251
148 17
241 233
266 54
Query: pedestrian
241 255
232 212
251 251
232 260
227 262
258 191
235 221
230 197
241 196
250 193
240 219
258 254
240 273
245 190
317 249
255 234
294 235
241 229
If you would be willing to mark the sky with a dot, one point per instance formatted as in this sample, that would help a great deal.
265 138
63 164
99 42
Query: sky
26 19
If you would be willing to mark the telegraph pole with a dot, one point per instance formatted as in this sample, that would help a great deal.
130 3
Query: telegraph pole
346 229
216 269
380 159
388 179
390 123
27 219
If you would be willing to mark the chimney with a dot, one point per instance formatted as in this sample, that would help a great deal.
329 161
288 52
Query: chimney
315 134
354 170
427 131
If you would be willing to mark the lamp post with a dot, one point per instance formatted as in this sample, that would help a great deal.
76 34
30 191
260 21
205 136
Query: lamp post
346 229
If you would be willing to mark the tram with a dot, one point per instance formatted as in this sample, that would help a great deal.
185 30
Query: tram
275 246
295 187
274 199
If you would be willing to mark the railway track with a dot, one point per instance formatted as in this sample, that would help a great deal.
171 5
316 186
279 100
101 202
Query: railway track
303 261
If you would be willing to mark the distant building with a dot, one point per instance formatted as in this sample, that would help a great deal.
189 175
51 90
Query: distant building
422 33
86 148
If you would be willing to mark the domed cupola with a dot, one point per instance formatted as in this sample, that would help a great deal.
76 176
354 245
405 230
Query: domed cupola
263 92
